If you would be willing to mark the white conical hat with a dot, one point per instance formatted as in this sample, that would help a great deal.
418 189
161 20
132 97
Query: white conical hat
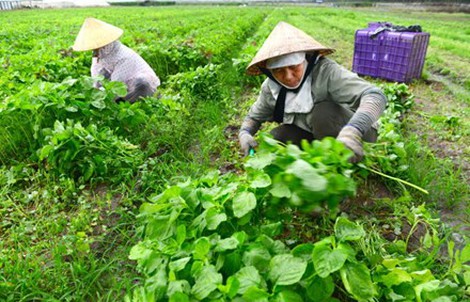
284 39
95 34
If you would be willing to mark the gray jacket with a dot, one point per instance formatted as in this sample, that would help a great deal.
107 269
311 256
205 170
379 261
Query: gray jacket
329 82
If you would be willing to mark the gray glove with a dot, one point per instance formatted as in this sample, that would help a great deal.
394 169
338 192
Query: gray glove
351 137
247 142
245 135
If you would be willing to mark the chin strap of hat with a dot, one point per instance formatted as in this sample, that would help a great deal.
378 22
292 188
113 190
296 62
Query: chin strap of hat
278 115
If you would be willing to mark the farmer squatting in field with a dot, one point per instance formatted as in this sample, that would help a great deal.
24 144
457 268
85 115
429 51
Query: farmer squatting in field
115 61
309 95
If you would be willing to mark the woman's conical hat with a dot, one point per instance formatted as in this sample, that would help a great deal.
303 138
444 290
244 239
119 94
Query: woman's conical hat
284 39
95 34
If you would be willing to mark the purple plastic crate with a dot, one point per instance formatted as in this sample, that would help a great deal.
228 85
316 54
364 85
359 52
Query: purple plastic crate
395 56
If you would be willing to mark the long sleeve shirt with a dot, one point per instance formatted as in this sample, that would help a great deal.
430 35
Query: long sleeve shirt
329 82
117 62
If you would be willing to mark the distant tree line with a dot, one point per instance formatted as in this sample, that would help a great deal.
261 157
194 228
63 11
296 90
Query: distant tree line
402 1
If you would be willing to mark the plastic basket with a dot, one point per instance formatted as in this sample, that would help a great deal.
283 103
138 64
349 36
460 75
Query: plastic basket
394 56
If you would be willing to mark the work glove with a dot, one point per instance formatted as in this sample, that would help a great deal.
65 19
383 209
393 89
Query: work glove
247 142
248 129
351 137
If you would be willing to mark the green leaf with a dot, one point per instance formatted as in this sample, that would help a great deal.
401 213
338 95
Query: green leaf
178 286
286 269
444 291
427 286
240 237
207 281
287 296
390 263
71 109
155 263
177 297
254 294
257 256
465 254
357 281
226 244
231 289
232 262
210 177
275 247
201 249
214 217
248 277
168 194
179 264
466 278
320 289
406 290
348 230
159 227
99 104
395 277
293 150
197 267
158 283
115 87
303 251
245 219
443 299
89 171
45 151
272 229
347 249
260 161
280 190
422 276
260 180
392 296
139 252
326 260
311 180
243 203
180 234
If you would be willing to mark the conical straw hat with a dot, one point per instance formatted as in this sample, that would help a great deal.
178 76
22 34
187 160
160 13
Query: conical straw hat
95 34
284 39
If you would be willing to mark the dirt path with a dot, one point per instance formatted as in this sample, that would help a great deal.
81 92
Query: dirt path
441 120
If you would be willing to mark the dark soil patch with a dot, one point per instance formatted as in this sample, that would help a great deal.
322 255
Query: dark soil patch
109 218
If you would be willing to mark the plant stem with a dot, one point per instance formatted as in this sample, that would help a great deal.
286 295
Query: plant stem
396 179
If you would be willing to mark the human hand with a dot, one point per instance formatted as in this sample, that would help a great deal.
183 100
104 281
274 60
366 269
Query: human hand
351 137
247 142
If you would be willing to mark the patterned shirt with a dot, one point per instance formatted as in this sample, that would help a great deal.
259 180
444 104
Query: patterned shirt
117 62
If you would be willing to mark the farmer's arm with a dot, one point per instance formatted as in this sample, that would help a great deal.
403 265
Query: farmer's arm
368 102
97 69
261 111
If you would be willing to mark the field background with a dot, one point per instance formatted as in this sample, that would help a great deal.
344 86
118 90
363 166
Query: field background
75 167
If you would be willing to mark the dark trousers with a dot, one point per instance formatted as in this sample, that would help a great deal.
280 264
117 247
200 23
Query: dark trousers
141 88
327 120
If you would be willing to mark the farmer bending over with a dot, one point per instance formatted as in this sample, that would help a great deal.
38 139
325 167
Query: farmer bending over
115 61
309 95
